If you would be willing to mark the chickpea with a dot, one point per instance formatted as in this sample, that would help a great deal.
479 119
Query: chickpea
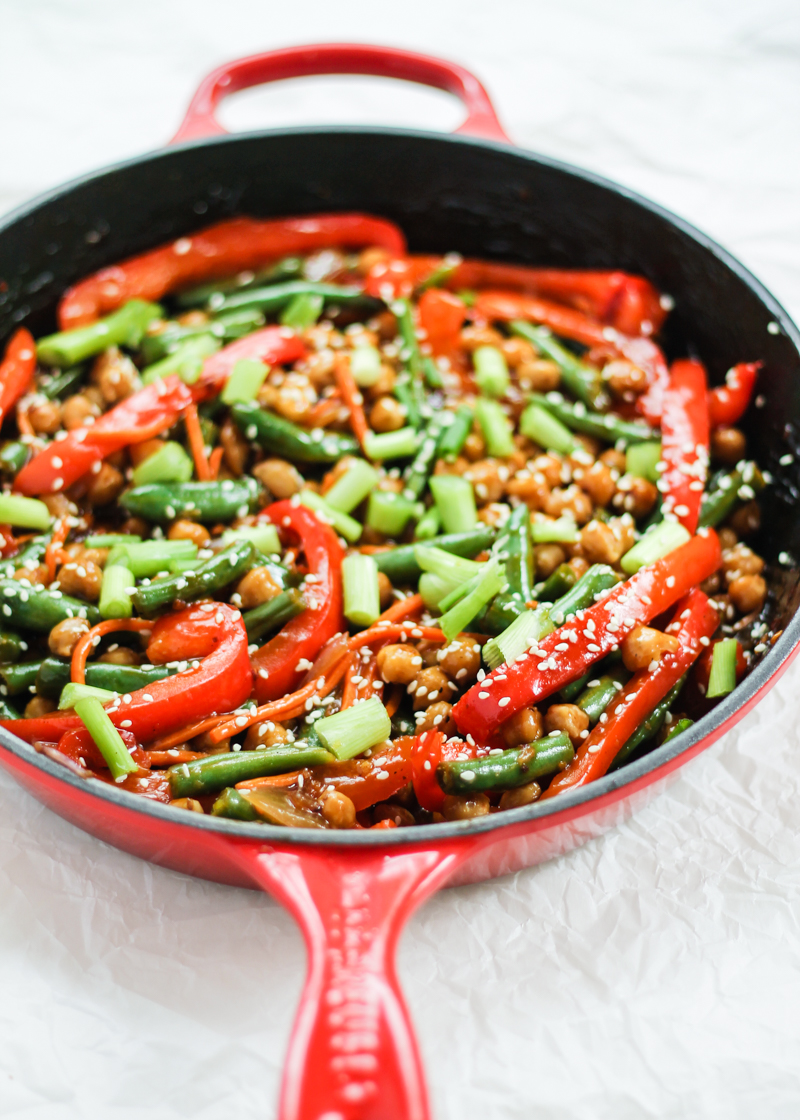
473 337
525 727
486 480
295 397
78 411
516 350
319 368
614 460
204 744
184 530
114 374
568 718
461 660
711 585
65 636
338 810
635 495
570 500
539 374
728 445
385 591
387 415
266 734
44 415
741 561
105 485
399 664
120 656
522 795
257 587
578 564
368 258
432 685
548 557
37 574
746 519
387 811
81 580
598 483
135 527
474 447
457 808
727 538
531 487
438 718
458 466
384 385
39 706
189 803
494 515
748 593
551 467
624 378
96 556
235 447
58 504
600 544
279 477
644 645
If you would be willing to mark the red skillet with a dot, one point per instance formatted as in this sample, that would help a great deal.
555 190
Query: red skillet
353 1055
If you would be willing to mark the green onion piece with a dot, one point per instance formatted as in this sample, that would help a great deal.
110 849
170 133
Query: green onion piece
391 445
543 428
496 428
455 500
641 459
169 464
361 595
659 541
429 525
353 487
71 693
365 365
563 530
245 381
264 536
452 597
442 574
125 327
107 739
433 590
115 592
389 513
27 513
454 433
722 678
186 360
516 639
432 373
353 731
302 311
349 528
151 557
109 540
491 371
459 617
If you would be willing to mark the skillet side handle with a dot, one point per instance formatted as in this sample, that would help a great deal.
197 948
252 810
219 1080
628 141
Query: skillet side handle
339 58
353 1054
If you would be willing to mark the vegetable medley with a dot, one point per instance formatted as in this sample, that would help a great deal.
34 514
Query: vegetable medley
297 527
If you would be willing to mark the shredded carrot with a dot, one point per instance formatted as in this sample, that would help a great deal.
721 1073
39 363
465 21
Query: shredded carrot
53 554
405 630
324 412
197 444
387 823
87 642
403 608
393 703
186 733
352 398
350 691
172 758
215 461
23 421
279 780
371 549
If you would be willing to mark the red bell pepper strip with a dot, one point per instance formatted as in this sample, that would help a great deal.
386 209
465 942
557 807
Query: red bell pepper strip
78 746
430 748
728 403
222 681
629 303
569 651
645 354
564 321
220 250
143 415
363 780
684 442
276 664
16 370
275 346
441 316
695 619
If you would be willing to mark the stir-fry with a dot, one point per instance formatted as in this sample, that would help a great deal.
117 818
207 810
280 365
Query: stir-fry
298 527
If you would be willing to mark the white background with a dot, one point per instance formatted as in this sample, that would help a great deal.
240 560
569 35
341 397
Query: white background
654 973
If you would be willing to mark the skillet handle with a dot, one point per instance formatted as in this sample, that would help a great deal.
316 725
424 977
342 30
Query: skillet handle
352 1055
339 58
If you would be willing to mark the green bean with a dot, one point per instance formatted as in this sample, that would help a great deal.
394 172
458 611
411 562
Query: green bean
33 609
11 646
19 676
606 426
400 564
585 592
226 567
282 437
649 727
125 327
213 294
740 485
54 673
273 614
518 548
415 477
509 769
230 803
409 393
214 772
576 687
557 584
454 436
276 296
224 328
13 456
584 381
677 728
62 384
8 711
594 700
203 501
29 556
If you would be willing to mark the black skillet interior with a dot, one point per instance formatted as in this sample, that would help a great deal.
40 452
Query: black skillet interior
447 193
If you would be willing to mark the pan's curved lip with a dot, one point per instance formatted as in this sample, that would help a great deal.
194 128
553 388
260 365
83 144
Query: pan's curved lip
653 765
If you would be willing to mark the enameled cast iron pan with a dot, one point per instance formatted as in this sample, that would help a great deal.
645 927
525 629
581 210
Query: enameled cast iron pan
353 1054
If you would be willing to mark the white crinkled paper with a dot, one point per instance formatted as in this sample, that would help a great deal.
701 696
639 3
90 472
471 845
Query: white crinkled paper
652 973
